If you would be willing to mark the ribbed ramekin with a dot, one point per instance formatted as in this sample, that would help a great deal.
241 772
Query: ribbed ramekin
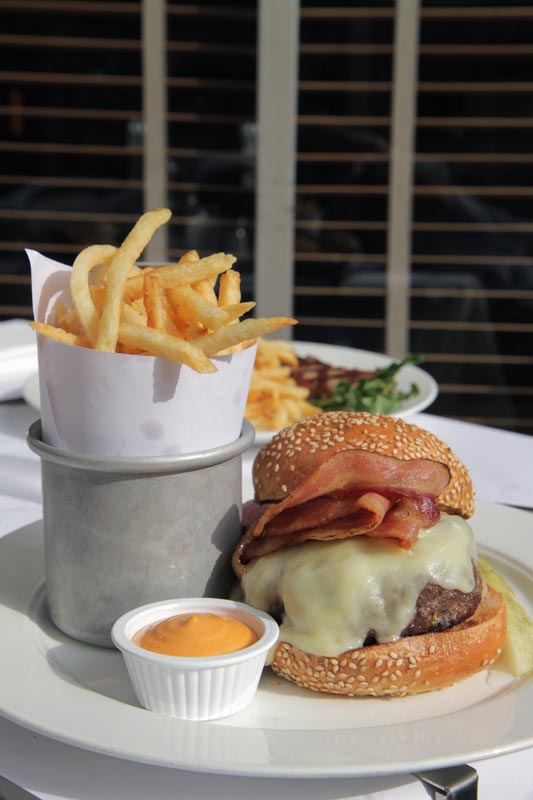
203 688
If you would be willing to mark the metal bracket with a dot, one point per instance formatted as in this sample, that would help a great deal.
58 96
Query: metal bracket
454 783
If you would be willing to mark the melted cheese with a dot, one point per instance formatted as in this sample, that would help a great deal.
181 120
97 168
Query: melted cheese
333 593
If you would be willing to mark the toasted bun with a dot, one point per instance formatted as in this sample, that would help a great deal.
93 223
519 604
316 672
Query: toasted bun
410 665
297 451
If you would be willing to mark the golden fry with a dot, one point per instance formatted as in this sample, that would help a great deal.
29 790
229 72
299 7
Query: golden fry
126 256
153 302
237 310
139 306
59 334
193 271
229 290
130 313
161 344
213 343
85 262
205 289
189 256
159 313
194 309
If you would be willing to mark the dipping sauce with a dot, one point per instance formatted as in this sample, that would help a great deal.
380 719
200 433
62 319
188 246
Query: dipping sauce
195 635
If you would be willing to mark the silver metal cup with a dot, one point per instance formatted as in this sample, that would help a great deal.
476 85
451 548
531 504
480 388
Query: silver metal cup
122 532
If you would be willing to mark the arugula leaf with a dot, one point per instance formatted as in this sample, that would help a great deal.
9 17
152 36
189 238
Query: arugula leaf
377 395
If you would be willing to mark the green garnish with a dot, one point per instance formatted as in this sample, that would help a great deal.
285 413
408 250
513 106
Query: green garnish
377 395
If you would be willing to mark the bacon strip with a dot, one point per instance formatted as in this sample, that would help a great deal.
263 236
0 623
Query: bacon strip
325 511
355 492
350 470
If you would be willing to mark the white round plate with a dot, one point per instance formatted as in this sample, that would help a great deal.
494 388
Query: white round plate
80 694
350 358
31 392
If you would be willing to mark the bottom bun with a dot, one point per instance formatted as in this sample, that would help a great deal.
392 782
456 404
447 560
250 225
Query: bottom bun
410 665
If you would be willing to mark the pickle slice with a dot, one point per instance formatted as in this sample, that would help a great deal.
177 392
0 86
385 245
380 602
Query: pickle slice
517 655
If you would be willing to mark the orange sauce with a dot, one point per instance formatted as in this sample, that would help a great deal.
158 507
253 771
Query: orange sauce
195 635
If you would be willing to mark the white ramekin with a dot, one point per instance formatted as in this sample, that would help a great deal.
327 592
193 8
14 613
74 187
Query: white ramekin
203 688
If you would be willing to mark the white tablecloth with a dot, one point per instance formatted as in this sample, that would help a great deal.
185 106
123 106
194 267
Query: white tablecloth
501 466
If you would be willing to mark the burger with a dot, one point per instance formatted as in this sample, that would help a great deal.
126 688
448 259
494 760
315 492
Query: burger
357 543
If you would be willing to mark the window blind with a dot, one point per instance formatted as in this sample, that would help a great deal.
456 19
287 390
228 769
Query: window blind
211 129
472 276
72 136
470 267
73 150
70 132
344 122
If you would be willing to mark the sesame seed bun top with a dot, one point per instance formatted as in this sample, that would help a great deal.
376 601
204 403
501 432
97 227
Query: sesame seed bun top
297 451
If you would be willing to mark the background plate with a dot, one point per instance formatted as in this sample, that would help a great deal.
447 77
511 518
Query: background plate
80 694
350 358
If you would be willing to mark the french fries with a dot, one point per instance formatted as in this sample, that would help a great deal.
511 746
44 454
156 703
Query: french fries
176 311
275 400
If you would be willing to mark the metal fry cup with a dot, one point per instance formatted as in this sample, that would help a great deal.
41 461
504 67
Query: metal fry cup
123 532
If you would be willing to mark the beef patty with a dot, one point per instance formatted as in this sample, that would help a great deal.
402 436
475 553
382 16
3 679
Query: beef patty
438 609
